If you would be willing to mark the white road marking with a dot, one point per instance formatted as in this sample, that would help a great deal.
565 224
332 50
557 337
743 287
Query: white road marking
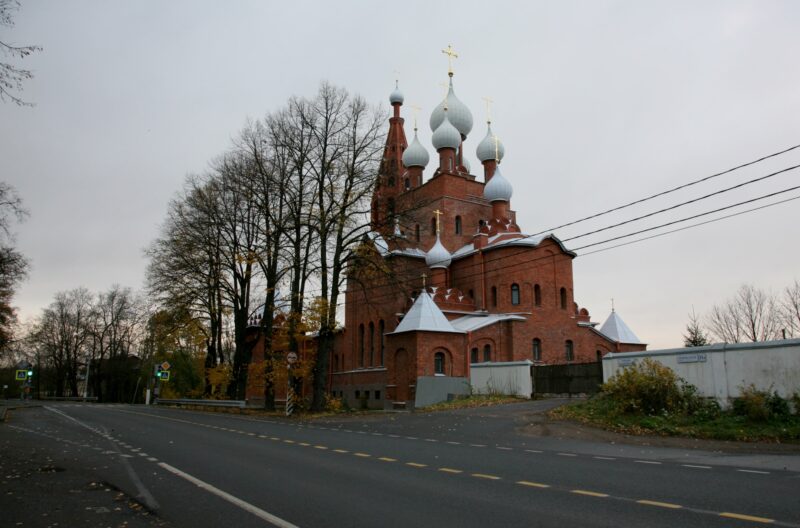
604 458
567 454
246 506
647 462
533 451
753 471
696 467
505 448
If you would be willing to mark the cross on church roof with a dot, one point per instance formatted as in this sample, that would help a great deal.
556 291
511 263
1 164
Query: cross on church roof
489 102
438 213
416 111
451 54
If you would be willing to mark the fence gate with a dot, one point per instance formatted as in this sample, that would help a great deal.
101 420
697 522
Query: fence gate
575 378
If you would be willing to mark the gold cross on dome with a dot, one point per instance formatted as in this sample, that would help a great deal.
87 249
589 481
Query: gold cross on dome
489 102
496 148
451 54
423 280
416 110
438 213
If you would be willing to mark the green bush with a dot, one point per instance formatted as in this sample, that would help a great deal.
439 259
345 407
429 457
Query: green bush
760 406
796 403
650 388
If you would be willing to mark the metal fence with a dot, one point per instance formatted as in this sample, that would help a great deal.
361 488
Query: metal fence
576 378
205 403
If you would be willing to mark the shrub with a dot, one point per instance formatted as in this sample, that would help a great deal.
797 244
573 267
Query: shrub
796 403
778 407
650 388
752 404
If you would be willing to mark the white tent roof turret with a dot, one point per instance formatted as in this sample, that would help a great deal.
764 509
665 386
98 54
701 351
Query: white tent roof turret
615 329
424 315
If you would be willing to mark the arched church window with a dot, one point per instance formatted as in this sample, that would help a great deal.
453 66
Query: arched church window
537 349
391 206
416 232
473 355
391 181
438 363
371 343
361 345
537 295
487 353
569 350
458 225
494 296
407 184
515 294
563 298
381 330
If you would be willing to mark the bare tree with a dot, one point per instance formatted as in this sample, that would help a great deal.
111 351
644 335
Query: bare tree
752 315
13 265
791 308
12 77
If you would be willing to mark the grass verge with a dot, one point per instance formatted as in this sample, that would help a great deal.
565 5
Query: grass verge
724 426
476 400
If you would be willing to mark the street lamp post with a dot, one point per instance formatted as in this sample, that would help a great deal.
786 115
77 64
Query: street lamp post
88 369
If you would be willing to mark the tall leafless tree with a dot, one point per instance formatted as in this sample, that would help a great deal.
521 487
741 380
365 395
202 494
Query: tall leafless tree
751 315
12 77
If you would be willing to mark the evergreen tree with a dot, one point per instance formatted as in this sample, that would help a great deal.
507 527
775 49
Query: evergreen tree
694 336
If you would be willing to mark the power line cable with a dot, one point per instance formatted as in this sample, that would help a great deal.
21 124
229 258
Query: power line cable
662 193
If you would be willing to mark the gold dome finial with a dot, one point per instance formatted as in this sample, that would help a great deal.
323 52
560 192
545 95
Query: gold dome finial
451 54
489 102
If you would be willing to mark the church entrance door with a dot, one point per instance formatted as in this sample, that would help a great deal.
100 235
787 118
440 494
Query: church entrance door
401 374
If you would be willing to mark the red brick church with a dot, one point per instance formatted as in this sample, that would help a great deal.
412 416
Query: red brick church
456 281
468 286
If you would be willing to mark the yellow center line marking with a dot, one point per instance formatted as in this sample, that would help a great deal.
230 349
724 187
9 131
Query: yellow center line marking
289 441
747 517
450 470
661 504
532 484
589 493
275 438
320 447
387 459
304 444
341 451
416 464
363 455
485 476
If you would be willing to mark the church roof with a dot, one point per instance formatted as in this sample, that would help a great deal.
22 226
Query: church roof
424 315
615 329
469 323
524 240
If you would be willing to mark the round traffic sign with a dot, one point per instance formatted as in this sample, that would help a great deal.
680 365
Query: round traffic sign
291 357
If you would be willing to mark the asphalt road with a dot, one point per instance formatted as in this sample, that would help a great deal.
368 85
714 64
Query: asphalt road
122 465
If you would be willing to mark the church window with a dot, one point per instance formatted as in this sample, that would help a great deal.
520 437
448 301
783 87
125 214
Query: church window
487 353
377 395
471 294
371 343
391 206
537 349
416 232
408 184
494 296
599 356
458 225
563 298
473 355
569 350
381 330
391 181
438 363
361 345
515 294
433 225
537 295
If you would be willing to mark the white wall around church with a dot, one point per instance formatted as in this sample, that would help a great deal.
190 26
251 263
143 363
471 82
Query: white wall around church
720 371
511 378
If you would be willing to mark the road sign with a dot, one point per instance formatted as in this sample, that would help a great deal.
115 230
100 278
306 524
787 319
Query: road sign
165 365
22 375
163 375
291 357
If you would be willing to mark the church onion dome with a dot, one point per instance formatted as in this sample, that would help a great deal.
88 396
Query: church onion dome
438 256
457 112
396 97
498 189
415 155
446 135
486 148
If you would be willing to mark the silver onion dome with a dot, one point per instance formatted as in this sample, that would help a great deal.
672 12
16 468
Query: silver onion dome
498 189
446 135
438 256
486 148
416 155
457 112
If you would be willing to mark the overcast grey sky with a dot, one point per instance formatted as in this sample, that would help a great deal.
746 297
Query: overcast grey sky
598 104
